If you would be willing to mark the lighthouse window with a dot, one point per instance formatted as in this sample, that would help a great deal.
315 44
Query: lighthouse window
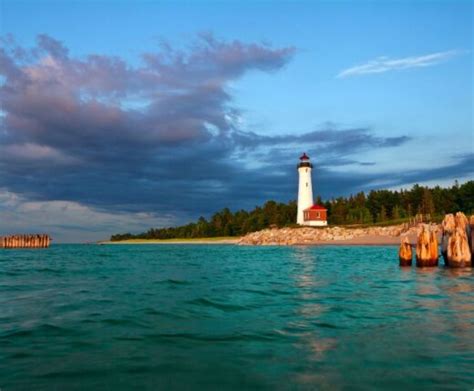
306 170
306 184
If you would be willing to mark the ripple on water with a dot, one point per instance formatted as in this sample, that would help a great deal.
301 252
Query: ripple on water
225 317
42 330
171 281
204 302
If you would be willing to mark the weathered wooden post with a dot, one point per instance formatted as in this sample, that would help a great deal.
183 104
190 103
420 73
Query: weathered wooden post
459 253
25 241
455 245
426 248
405 254
448 226
434 250
471 236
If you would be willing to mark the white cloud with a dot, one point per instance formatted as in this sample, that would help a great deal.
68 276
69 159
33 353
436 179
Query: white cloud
385 64
68 221
30 151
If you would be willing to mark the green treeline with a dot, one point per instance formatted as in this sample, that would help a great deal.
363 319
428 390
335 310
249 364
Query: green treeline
378 206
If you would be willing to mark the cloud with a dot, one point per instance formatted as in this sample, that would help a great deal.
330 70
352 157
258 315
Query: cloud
386 64
69 221
333 139
93 145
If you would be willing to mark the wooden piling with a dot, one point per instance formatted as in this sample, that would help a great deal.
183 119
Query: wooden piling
448 226
405 253
457 241
471 237
25 241
459 253
426 248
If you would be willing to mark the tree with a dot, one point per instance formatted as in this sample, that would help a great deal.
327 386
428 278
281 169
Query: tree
377 206
396 212
382 215
427 206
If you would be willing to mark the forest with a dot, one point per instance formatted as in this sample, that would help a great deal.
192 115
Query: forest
378 207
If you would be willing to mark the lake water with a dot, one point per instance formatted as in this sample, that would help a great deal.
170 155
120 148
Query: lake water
225 317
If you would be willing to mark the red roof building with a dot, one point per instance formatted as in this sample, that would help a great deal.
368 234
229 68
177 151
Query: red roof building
316 215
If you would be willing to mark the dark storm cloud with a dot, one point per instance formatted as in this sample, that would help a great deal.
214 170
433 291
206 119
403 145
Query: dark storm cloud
161 137
337 140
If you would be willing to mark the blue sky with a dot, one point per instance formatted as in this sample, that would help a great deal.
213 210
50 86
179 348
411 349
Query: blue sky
379 93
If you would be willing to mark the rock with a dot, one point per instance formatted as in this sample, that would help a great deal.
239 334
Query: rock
405 253
309 235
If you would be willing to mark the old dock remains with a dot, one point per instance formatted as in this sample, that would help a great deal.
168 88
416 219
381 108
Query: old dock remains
25 241
456 234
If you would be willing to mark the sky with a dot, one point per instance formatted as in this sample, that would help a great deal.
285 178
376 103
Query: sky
118 116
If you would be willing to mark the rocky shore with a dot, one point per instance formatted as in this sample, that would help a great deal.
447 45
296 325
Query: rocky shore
331 235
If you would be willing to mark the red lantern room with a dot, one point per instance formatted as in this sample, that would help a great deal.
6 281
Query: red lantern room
304 161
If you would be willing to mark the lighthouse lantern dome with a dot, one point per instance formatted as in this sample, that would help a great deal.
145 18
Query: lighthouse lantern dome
304 161
304 156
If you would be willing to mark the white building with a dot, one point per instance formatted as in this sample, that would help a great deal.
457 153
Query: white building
308 212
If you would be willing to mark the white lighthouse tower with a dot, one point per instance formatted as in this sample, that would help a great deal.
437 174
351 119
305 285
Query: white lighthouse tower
308 213
305 187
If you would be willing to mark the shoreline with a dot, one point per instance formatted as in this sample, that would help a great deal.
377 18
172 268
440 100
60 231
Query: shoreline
367 240
173 241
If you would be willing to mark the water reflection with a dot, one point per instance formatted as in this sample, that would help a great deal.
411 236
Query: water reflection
311 308
458 286
459 272
304 263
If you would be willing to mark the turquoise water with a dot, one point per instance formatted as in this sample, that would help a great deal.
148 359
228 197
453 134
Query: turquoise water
225 317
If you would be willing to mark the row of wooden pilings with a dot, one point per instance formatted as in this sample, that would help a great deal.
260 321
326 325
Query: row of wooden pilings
457 243
25 241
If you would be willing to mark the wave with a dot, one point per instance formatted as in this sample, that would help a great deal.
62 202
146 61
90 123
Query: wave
205 338
46 329
220 306
173 282
123 322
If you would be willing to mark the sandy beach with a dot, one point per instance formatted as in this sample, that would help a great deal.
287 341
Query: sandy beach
175 241
367 240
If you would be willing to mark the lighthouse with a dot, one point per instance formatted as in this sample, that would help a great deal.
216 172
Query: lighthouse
308 212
